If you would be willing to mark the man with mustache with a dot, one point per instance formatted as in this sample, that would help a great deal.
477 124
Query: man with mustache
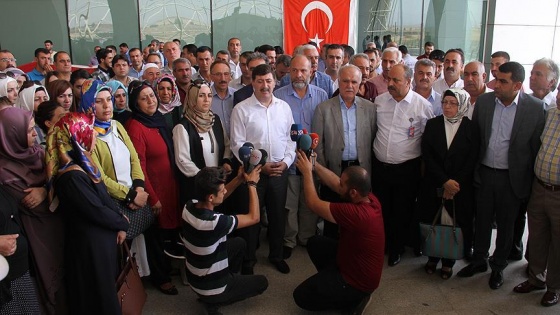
453 62
222 100
401 118
317 78
303 98
265 121
182 71
346 126
424 77
475 76
367 89
390 57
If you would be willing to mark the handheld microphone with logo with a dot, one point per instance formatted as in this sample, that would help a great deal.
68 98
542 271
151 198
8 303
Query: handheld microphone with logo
254 160
295 132
244 156
314 143
249 145
304 142
305 131
264 157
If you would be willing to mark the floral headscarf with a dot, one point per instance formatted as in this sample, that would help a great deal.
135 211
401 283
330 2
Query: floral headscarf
165 108
69 145
463 98
90 89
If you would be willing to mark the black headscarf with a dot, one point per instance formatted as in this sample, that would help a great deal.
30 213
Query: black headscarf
154 121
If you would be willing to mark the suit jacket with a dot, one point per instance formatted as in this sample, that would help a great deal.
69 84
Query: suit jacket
327 122
242 94
442 164
528 125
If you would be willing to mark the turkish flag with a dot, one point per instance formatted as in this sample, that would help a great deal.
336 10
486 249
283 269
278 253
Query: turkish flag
326 21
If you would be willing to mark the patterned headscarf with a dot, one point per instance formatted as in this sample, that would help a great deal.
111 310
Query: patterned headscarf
463 98
115 85
69 144
165 108
90 89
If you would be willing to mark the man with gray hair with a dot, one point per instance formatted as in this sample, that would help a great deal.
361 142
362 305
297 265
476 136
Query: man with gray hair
424 78
346 126
401 118
475 77
544 80
182 71
172 52
367 89
391 56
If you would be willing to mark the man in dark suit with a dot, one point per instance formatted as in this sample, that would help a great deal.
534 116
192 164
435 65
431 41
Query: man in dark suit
509 124
245 92
346 126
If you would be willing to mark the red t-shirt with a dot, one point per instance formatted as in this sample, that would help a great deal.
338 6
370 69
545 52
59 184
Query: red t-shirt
362 243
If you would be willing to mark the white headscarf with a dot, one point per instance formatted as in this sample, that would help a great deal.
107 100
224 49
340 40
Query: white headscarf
26 99
4 85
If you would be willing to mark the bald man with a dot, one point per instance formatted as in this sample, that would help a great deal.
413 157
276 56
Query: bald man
475 78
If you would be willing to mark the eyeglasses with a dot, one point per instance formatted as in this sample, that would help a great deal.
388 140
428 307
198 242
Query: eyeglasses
8 59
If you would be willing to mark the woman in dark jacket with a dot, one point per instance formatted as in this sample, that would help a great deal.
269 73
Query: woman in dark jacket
449 152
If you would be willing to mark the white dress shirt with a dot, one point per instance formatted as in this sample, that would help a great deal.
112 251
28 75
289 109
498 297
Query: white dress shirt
549 100
265 127
395 142
450 130
235 69
470 111
441 85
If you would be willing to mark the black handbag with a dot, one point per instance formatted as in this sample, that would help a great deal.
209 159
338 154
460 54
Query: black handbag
444 241
140 220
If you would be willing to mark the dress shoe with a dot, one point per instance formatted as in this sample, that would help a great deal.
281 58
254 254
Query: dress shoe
496 279
168 289
394 260
469 254
526 287
286 252
549 299
281 266
471 269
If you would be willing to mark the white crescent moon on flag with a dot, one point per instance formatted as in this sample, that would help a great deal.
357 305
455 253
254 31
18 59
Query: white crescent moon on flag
319 5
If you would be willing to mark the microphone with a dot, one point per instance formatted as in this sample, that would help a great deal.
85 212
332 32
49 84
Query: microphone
249 145
295 132
314 140
244 156
254 160
304 142
264 157
305 131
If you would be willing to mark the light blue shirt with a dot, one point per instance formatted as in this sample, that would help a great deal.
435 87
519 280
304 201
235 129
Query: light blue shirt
498 146
302 108
320 79
435 100
350 151
223 107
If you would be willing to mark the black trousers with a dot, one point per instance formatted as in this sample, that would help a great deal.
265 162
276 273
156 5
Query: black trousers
159 263
494 197
396 186
239 287
326 290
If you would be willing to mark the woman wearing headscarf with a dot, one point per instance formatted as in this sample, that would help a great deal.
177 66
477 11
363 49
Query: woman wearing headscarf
114 153
200 139
9 88
22 174
449 150
169 100
94 226
17 292
121 113
30 96
153 142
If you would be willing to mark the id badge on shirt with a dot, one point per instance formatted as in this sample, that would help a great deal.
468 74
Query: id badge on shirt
411 129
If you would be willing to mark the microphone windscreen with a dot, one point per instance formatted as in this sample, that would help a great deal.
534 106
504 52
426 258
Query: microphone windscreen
244 154
249 145
264 157
295 132
305 131
304 142
314 140
256 156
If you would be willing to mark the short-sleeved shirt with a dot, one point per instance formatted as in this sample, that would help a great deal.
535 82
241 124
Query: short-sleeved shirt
362 242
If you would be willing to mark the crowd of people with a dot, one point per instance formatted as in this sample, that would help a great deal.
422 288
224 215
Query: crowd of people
186 154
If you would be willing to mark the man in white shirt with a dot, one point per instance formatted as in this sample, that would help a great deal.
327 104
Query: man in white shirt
424 77
453 65
235 49
401 117
544 80
244 78
265 121
335 54
475 76
172 52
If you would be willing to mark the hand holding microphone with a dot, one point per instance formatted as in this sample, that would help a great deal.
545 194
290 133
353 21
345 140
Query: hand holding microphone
244 156
254 160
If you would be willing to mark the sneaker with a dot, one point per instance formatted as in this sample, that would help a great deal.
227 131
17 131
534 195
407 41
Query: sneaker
174 251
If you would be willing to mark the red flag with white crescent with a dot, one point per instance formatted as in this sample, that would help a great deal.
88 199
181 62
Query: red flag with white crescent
325 21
